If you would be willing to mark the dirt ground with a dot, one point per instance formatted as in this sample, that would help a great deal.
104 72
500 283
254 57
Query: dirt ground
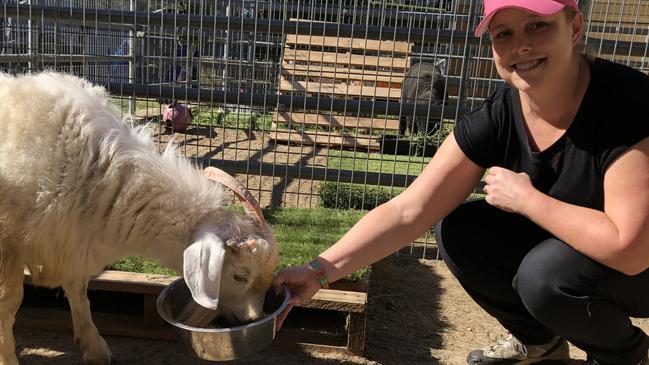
250 149
417 314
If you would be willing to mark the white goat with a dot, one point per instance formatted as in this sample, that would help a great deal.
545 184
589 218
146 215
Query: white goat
80 188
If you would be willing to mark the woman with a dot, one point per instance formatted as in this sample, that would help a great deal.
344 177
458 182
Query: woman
565 255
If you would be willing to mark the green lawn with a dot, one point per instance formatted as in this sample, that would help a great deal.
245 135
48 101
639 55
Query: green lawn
216 117
140 104
376 162
301 234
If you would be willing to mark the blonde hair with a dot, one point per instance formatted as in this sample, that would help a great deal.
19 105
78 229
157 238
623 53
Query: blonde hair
570 14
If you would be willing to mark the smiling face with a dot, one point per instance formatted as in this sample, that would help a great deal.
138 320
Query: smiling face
533 52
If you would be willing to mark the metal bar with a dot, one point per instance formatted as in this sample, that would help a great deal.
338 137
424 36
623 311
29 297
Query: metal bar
385 14
74 58
207 22
301 102
318 173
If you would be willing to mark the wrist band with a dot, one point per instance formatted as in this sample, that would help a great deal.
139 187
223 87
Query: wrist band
320 274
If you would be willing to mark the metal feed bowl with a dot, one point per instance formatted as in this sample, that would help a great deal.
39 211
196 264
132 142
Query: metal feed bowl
221 344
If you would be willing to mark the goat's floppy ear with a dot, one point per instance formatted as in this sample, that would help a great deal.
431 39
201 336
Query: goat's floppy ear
202 267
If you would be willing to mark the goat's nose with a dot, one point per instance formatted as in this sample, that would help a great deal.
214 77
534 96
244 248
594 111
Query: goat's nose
248 316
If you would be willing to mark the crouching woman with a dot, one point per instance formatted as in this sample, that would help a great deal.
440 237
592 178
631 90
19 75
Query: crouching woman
559 249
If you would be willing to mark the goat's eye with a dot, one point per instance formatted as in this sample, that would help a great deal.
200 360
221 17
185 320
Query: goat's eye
240 279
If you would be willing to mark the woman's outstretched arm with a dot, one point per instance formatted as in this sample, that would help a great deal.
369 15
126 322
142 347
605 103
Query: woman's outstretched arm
445 183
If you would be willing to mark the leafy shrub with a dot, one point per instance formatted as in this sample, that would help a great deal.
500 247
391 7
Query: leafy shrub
354 196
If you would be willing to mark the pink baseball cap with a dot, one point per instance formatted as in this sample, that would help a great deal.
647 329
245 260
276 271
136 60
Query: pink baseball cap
540 7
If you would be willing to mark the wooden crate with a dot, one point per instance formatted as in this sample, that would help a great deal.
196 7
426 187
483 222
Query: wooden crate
139 317
339 67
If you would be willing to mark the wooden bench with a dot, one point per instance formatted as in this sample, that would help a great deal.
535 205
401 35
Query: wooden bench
342 68
348 298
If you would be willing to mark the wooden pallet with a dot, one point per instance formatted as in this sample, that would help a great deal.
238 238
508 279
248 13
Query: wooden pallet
339 67
346 298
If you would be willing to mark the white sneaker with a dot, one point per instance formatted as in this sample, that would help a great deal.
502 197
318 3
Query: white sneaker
509 350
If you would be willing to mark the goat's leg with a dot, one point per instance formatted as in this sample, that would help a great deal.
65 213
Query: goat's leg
93 346
11 295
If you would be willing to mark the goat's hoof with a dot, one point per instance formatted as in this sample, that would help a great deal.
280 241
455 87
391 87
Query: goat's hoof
99 354
100 361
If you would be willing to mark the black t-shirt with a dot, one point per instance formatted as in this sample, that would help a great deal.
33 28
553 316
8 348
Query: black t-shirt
611 118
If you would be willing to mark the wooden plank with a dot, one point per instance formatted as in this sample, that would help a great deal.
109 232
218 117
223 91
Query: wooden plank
627 2
356 333
336 121
471 89
125 282
346 59
342 74
325 139
482 68
150 325
640 38
339 89
151 284
344 301
130 282
626 11
343 43
623 20
108 324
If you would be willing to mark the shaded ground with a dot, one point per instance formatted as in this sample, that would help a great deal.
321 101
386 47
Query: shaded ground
214 145
417 314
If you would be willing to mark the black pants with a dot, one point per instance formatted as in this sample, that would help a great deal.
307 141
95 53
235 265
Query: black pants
537 286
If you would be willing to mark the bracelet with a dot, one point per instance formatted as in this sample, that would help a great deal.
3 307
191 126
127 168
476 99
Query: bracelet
320 274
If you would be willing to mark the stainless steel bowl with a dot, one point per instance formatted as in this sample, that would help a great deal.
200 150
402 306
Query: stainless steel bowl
221 344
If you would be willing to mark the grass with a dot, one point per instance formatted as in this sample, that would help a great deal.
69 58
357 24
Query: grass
301 235
389 163
216 117
140 104
141 265
376 162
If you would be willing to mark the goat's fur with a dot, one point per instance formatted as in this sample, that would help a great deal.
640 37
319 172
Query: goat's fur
80 188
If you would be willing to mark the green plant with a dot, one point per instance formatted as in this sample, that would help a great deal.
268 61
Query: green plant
216 117
354 196
141 265
420 143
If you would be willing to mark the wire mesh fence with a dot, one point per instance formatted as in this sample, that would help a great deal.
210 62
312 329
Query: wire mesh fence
334 103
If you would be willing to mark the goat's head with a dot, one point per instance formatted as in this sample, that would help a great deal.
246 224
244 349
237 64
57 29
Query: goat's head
231 272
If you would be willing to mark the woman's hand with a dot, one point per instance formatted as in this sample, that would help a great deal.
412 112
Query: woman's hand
301 282
508 190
